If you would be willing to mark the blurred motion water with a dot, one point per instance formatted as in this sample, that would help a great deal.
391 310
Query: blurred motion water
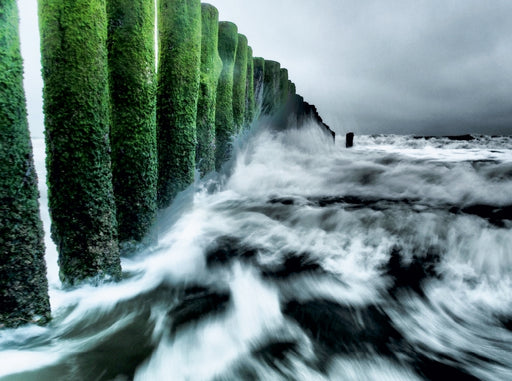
304 261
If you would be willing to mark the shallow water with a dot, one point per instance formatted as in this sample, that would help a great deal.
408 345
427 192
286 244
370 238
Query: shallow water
303 261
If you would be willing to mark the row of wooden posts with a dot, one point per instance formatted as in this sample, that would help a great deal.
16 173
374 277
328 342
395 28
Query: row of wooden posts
122 139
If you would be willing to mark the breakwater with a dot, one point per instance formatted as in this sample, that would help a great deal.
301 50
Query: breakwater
122 139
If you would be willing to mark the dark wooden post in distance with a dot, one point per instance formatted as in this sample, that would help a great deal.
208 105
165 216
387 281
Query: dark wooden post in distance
349 142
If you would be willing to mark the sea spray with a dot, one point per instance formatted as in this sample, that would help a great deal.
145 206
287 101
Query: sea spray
323 263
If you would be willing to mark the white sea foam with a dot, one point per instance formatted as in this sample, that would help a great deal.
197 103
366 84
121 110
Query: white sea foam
344 211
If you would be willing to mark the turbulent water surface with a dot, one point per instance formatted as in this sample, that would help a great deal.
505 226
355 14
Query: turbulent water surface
304 261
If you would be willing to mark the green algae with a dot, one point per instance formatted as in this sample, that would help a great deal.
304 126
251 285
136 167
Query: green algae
131 49
292 89
211 66
250 104
76 107
177 95
239 82
23 284
271 87
258 77
224 122
283 87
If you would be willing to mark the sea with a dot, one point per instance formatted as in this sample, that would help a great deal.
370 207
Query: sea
301 260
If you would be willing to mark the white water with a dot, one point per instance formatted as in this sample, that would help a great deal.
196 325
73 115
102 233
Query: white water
293 194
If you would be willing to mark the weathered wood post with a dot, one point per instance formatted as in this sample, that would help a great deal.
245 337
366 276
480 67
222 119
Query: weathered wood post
211 66
283 87
239 82
349 139
292 89
271 81
178 90
131 60
76 107
224 122
23 284
250 104
259 72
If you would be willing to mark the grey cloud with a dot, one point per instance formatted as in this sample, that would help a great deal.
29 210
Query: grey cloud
402 66
372 66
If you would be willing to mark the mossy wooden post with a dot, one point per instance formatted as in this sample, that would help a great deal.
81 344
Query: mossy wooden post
211 66
239 82
224 122
271 81
283 87
249 90
295 106
259 71
23 284
76 107
298 106
131 59
178 90
292 89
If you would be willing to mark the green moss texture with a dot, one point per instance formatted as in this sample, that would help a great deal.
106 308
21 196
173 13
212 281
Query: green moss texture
292 90
249 90
224 122
271 87
211 66
76 107
259 72
283 87
131 59
178 89
23 284
239 82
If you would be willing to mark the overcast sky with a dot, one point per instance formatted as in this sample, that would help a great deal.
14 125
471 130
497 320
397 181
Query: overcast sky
371 66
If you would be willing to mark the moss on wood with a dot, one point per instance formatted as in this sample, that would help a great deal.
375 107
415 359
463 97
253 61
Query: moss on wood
23 284
259 71
76 107
283 86
250 104
131 60
292 90
239 82
224 122
178 89
271 83
211 66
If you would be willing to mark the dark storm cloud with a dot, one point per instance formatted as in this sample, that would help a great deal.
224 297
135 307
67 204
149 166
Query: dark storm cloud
421 67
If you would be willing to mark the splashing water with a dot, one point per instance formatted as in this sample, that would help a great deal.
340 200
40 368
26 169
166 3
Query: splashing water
304 261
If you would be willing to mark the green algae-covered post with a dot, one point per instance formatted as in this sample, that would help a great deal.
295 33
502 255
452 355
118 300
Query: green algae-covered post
239 82
131 59
259 70
23 284
249 90
292 89
76 107
211 66
271 82
178 89
283 86
300 105
224 123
